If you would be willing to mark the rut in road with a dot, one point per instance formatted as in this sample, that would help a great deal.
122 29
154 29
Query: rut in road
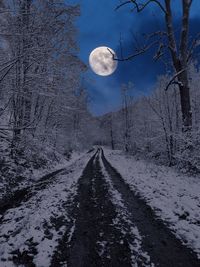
95 241
161 244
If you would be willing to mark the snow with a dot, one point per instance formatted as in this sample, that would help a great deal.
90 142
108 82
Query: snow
34 219
122 219
174 197
36 162
37 174
33 175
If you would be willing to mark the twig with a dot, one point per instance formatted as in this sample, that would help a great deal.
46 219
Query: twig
141 7
139 52
172 81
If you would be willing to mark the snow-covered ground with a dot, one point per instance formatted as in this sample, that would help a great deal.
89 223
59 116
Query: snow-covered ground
124 223
63 163
32 175
174 197
32 228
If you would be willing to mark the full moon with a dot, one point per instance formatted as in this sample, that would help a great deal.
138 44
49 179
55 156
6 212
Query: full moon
101 61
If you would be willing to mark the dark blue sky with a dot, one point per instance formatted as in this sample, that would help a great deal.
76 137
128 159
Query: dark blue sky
99 25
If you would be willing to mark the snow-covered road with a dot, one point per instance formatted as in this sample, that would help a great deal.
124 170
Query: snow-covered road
174 197
86 215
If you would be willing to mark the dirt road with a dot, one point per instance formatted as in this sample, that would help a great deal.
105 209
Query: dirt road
114 227
97 222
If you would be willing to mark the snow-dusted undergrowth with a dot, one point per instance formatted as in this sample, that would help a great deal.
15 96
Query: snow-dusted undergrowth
175 197
33 223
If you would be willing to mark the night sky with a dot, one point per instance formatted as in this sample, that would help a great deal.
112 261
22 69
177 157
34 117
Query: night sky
101 25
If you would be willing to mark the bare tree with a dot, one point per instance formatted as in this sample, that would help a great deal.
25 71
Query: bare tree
164 105
181 50
39 70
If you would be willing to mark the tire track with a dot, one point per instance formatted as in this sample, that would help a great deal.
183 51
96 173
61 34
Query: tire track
94 240
161 244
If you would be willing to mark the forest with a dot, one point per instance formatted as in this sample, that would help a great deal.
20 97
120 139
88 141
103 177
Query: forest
43 105
72 181
151 126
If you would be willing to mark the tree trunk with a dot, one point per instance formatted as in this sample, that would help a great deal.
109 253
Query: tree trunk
179 59
185 102
112 141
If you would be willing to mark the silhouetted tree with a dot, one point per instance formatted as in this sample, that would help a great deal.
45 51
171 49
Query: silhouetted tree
181 50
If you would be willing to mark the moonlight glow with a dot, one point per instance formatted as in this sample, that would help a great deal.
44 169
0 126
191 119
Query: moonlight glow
101 61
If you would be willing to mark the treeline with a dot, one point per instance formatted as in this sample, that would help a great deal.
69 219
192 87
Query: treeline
42 103
151 126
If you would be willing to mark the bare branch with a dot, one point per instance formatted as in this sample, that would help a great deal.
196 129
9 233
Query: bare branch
194 45
140 7
5 107
159 52
7 71
172 81
15 129
10 61
138 52
155 34
123 4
